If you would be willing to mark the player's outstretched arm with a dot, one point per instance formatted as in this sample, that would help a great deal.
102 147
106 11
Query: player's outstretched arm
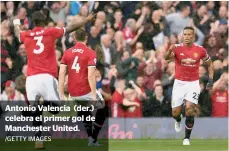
169 54
92 81
79 22
62 73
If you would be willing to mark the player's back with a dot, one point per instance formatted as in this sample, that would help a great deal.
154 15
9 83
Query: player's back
78 59
40 48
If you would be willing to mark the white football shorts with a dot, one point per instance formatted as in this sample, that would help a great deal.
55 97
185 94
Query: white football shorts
185 90
42 85
86 100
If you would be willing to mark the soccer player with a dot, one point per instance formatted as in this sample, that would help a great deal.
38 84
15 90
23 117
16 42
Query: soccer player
186 86
42 66
80 64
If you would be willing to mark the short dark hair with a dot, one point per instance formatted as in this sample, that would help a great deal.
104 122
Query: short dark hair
190 28
80 34
38 18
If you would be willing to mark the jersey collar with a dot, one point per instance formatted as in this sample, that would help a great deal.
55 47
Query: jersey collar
37 28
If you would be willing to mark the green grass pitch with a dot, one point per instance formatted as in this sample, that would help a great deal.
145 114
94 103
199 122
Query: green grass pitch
122 145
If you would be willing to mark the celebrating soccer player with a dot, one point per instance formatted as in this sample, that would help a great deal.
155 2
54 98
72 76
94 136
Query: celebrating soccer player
42 66
186 87
80 63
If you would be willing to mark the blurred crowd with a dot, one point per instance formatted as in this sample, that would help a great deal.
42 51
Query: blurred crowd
130 40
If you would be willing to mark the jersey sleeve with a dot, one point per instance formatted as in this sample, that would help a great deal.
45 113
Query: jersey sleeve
92 60
205 57
22 36
57 32
64 59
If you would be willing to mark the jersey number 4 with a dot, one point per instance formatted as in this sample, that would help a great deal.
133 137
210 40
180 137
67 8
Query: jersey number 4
39 44
76 65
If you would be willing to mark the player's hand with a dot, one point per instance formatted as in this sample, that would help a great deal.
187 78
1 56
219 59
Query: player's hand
209 84
62 98
93 98
172 47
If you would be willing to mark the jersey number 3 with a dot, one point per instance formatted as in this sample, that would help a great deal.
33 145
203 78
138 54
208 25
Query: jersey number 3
76 65
39 44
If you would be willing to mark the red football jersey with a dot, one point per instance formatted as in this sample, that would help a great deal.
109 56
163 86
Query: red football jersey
40 49
78 59
187 61
220 103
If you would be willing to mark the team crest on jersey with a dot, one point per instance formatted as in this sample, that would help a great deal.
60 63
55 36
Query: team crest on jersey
195 54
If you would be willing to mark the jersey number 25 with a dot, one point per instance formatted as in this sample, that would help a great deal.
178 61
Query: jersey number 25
76 65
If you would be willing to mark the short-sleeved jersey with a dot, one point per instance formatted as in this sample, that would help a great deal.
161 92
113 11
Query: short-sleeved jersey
40 49
78 59
187 61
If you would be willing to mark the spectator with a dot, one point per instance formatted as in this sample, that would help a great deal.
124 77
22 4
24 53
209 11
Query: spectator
160 105
22 54
10 9
218 69
93 38
212 13
57 13
219 97
117 99
118 23
177 21
223 13
213 45
203 73
168 79
129 32
107 52
22 15
154 30
20 81
205 103
201 19
151 69
132 101
147 96
4 67
84 11
10 93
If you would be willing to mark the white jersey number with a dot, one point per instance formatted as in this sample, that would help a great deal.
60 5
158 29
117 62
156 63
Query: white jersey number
76 65
40 44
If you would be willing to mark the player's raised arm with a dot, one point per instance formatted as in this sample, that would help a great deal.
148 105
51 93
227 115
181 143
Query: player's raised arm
78 22
170 54
61 79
